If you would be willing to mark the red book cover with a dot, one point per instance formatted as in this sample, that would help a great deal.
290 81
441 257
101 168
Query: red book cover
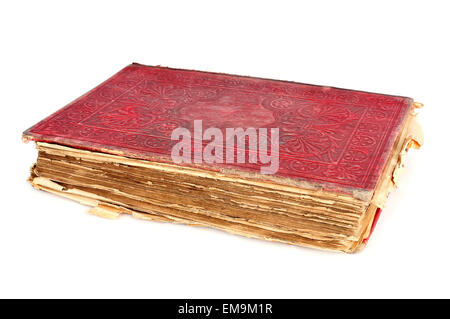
335 138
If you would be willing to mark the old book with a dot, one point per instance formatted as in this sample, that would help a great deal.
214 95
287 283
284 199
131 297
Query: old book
295 163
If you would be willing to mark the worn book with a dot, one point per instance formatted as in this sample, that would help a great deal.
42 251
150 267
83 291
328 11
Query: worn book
283 161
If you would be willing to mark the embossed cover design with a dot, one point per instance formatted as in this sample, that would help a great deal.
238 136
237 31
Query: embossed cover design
332 137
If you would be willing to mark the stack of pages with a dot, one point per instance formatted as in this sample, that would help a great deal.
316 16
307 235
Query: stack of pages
282 161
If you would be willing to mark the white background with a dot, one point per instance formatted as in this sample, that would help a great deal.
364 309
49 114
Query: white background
52 52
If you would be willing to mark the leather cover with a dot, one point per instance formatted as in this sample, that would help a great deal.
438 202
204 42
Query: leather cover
331 138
